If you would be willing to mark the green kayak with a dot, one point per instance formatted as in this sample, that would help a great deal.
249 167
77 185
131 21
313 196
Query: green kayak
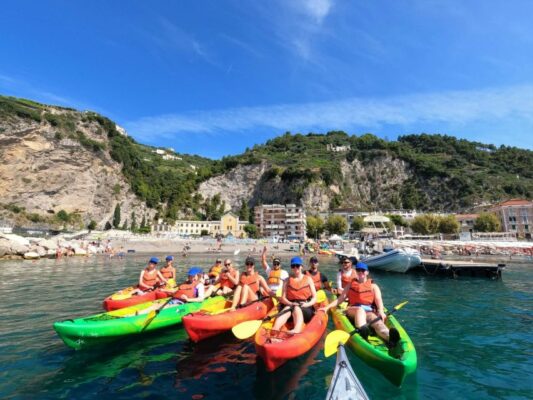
394 364
101 328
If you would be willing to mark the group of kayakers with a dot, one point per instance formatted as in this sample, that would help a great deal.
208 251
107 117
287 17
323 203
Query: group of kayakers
296 292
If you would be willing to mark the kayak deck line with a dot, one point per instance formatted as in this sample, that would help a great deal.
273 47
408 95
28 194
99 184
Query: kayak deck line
344 384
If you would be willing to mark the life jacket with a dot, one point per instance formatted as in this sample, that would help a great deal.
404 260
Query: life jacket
215 270
361 293
345 280
186 288
298 290
225 281
251 280
274 278
150 277
167 272
316 279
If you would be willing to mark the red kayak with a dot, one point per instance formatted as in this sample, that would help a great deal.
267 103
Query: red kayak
126 298
276 348
203 324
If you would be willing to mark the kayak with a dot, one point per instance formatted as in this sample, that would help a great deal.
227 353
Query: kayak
207 323
285 346
394 364
344 383
125 298
117 324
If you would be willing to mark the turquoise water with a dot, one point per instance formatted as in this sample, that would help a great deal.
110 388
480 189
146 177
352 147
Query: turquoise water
474 339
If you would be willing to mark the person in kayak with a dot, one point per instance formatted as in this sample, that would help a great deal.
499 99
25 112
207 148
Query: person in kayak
214 271
226 282
319 279
365 304
276 275
299 293
346 274
251 286
168 271
192 290
150 277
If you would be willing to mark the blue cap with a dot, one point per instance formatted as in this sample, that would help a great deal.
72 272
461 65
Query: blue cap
297 261
361 265
154 260
195 271
169 258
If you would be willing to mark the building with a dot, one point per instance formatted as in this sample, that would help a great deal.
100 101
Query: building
516 215
279 221
466 221
228 226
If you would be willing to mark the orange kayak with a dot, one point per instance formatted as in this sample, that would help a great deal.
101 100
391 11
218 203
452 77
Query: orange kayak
204 324
126 298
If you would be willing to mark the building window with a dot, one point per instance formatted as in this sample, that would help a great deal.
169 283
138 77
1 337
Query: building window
513 227
512 219
526 228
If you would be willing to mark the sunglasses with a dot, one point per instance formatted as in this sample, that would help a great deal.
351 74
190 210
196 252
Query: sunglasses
314 262
276 263
227 265
360 270
249 264
346 262
295 265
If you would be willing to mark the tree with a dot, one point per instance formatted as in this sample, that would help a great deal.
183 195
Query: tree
449 224
125 225
398 220
63 216
487 222
92 225
143 223
116 217
251 230
358 224
244 212
427 224
133 226
315 226
336 225
108 226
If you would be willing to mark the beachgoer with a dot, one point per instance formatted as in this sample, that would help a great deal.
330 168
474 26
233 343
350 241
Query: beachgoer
276 275
226 282
251 285
150 277
365 304
319 279
299 293
192 290
346 274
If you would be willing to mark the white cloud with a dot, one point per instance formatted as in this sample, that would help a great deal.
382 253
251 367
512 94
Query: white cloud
453 108
317 9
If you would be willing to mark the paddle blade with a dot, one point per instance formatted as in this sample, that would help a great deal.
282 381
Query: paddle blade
333 340
396 308
246 329
151 315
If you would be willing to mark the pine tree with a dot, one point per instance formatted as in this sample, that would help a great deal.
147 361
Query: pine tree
116 217
133 226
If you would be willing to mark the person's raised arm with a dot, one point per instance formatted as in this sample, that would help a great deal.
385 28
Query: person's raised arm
264 262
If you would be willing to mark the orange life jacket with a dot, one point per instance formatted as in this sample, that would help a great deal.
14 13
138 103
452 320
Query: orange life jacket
298 290
361 293
150 277
316 279
168 272
251 280
345 280
215 270
274 278
186 288
225 281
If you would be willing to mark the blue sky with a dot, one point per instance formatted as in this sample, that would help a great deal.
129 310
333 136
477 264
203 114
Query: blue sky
214 77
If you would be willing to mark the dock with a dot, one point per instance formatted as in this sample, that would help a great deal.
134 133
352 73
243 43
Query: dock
457 268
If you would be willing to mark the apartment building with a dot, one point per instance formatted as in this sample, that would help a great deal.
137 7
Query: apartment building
279 221
516 216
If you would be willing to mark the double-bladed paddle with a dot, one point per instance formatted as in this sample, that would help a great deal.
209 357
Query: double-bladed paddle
248 328
336 337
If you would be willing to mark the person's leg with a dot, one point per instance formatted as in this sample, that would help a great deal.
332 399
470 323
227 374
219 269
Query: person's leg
381 329
281 320
248 295
236 297
358 315
298 319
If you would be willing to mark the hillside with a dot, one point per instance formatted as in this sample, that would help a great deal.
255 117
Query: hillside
62 166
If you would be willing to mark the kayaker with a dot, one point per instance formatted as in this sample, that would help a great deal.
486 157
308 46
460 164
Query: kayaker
346 273
365 304
214 271
276 275
226 282
150 277
319 279
192 290
251 285
168 271
298 292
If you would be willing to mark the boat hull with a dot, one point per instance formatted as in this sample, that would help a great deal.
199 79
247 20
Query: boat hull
398 260
124 298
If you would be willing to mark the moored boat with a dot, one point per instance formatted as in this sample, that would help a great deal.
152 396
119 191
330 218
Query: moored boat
206 323
394 364
395 260
127 297
104 327
344 383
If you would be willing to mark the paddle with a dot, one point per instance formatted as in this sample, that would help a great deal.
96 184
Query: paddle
153 313
341 337
247 329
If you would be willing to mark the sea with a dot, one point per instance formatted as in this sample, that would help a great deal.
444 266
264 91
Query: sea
473 336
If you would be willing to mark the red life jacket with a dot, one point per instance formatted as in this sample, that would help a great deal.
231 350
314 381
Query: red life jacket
150 277
167 272
316 279
274 278
186 288
361 293
225 281
345 280
298 290
251 280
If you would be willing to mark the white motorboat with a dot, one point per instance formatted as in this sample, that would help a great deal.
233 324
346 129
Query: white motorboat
395 260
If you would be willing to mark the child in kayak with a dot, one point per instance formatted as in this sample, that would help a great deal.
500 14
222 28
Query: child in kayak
169 272
192 290
299 293
365 304
251 286
150 277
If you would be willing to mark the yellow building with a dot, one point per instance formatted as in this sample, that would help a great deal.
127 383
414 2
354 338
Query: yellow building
229 225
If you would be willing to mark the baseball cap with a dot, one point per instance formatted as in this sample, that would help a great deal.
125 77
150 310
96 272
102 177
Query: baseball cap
219 260
195 270
154 260
361 265
169 258
296 261
249 260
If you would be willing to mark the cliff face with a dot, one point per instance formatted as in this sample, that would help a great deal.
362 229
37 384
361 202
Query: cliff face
44 170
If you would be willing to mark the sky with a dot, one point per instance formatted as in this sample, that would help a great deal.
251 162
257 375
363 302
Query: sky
213 77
